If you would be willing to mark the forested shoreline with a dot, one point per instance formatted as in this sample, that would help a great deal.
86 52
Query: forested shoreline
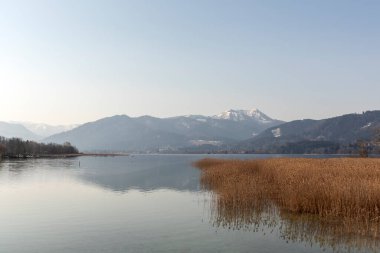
18 148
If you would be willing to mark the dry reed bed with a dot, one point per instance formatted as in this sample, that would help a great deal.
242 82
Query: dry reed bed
344 190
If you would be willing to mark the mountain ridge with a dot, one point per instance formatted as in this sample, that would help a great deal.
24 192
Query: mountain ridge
338 132
10 130
230 131
45 130
148 133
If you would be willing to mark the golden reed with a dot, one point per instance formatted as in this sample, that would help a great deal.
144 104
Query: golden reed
336 198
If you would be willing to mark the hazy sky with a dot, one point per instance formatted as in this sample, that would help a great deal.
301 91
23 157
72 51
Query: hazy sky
76 61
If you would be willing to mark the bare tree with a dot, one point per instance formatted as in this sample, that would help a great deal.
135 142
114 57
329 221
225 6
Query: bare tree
2 150
362 148
15 147
376 139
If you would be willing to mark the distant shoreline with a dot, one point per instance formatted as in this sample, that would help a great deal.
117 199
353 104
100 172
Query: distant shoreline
64 155
211 154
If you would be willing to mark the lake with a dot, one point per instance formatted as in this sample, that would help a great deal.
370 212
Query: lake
137 203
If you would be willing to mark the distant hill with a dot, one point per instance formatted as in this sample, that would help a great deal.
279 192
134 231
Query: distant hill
10 130
150 134
45 130
308 136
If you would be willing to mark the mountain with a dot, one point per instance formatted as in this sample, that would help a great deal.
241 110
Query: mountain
150 134
242 115
10 130
327 135
45 130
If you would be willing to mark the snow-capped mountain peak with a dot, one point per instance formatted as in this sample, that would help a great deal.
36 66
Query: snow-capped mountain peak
239 115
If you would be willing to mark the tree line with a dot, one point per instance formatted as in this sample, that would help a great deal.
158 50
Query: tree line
16 147
366 147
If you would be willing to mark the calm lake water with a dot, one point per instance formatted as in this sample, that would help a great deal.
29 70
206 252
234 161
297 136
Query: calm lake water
139 203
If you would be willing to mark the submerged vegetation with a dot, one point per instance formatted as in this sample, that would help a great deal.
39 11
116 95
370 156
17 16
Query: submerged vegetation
17 148
330 201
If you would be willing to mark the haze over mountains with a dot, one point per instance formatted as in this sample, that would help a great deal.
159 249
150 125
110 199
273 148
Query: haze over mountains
229 131
146 133
31 131
44 130
9 130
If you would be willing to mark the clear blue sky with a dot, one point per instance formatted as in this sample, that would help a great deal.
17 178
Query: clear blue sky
73 61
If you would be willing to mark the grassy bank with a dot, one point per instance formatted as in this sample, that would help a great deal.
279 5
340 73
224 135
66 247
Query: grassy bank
340 195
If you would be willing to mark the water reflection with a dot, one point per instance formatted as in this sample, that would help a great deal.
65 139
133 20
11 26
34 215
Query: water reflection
145 173
120 174
259 216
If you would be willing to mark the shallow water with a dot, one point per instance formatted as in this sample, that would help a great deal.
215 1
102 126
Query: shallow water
138 203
